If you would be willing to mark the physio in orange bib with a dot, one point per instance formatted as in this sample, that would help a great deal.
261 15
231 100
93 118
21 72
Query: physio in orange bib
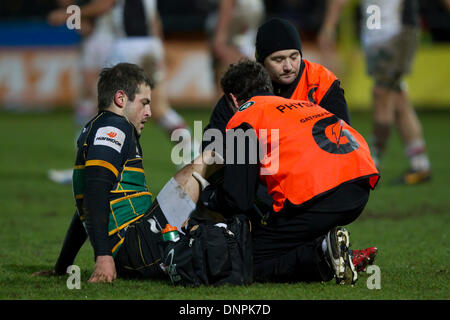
279 49
317 169
307 135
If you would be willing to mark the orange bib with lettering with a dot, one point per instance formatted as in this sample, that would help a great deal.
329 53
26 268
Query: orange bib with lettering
307 151
314 83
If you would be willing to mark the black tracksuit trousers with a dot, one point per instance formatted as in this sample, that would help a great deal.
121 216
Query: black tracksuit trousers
289 247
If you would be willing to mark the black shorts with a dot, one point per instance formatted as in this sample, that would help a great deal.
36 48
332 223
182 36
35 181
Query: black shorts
140 254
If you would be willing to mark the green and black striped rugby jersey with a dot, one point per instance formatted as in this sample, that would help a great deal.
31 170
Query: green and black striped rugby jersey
110 141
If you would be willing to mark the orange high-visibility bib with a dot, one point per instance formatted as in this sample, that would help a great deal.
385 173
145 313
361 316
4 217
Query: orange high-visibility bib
314 83
317 151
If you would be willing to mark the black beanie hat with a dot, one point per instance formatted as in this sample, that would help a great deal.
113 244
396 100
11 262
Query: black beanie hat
275 35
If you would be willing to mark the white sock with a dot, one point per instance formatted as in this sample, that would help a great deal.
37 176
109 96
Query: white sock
420 162
418 158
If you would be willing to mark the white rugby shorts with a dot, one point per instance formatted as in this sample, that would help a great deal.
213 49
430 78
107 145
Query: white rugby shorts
132 49
95 50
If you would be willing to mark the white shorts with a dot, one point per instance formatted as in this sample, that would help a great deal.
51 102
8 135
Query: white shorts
175 204
132 50
95 50
147 52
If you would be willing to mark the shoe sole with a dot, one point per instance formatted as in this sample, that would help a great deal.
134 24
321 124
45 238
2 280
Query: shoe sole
343 266
350 275
336 260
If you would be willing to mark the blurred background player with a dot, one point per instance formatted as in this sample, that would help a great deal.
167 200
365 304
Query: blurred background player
389 51
231 29
134 35
96 40
137 30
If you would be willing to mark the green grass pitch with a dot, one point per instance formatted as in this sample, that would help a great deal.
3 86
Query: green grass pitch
410 225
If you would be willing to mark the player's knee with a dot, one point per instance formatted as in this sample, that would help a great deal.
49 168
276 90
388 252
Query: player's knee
393 82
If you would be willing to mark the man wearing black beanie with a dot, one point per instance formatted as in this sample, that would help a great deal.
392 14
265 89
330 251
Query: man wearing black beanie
279 49
276 35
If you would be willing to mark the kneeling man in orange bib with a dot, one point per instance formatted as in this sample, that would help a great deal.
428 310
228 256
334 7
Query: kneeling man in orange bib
316 167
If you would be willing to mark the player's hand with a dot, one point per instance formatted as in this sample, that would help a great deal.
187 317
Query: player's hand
104 270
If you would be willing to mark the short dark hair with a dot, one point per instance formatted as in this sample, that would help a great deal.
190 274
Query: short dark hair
123 76
246 78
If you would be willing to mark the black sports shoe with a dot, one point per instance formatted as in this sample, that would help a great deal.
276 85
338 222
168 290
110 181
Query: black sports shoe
412 177
338 242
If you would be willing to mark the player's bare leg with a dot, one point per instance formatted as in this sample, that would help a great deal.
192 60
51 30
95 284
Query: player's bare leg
383 119
178 198
410 131
406 119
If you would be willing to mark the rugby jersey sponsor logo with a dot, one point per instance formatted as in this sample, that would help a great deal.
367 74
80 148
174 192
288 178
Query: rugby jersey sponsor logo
111 137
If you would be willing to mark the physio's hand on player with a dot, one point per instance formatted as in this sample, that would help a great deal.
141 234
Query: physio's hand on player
104 270
203 182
